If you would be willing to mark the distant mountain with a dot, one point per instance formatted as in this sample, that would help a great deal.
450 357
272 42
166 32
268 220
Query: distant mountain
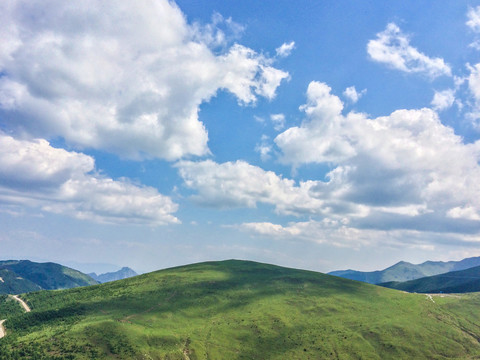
11 283
405 271
452 282
20 276
121 274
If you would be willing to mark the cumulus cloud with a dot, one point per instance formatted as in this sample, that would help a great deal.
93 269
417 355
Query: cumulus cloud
310 142
353 95
443 99
239 184
286 49
126 77
396 176
35 174
392 47
407 164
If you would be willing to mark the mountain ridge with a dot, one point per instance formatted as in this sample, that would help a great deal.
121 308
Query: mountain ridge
124 273
405 271
21 276
460 281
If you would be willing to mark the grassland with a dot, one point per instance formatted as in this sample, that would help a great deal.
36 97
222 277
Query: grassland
241 310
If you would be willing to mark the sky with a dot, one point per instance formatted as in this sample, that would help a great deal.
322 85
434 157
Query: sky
309 134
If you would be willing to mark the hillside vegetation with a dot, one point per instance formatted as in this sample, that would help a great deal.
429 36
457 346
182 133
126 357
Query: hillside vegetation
241 310
405 271
12 283
452 282
20 276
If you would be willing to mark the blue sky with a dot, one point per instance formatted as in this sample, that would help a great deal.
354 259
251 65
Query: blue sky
317 135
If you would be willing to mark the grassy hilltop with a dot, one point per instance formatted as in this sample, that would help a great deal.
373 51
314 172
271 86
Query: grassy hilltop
241 310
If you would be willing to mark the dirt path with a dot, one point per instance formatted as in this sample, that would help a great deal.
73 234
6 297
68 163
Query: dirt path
2 329
186 350
25 307
430 297
23 303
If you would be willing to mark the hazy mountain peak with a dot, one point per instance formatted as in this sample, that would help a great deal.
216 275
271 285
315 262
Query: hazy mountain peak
405 271
123 273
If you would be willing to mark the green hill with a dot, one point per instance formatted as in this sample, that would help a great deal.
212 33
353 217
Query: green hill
241 310
452 282
12 283
405 271
20 276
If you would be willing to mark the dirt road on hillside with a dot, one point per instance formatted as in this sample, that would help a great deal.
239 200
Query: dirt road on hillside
23 303
25 307
2 329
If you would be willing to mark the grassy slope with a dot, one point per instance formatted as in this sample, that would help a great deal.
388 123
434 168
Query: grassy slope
452 282
242 310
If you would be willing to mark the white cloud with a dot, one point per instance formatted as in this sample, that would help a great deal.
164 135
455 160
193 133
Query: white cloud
443 99
405 174
278 121
264 148
474 88
325 231
286 49
473 21
340 235
392 47
259 119
219 33
35 174
474 81
468 212
126 77
310 142
247 74
407 163
475 45
239 184
353 95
